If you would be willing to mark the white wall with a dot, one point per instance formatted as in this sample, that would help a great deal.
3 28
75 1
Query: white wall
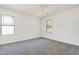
65 26
26 27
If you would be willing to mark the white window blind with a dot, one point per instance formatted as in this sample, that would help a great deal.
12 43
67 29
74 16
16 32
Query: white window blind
7 25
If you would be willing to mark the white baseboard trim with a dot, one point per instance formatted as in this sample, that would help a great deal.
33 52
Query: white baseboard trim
23 39
62 41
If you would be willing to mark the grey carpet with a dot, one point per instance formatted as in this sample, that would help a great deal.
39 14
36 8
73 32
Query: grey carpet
39 46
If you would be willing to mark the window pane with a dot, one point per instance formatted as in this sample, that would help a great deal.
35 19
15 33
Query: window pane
49 30
7 30
49 23
49 26
7 20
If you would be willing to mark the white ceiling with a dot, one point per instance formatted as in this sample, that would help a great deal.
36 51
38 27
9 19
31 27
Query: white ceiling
39 10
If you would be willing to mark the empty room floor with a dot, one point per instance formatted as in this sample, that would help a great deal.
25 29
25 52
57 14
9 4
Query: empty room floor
39 46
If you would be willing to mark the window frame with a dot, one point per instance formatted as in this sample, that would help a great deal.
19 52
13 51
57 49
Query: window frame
7 25
49 26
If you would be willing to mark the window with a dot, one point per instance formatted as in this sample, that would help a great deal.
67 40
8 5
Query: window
7 25
49 26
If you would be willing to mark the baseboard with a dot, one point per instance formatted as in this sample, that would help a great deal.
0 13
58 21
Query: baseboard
37 38
60 41
24 39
